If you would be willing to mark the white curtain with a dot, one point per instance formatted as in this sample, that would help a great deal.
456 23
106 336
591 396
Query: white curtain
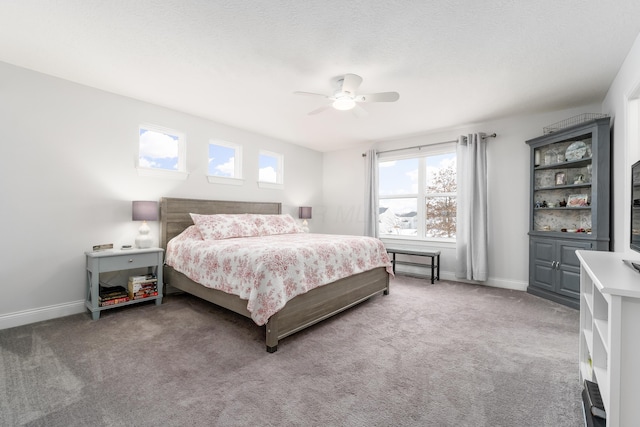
371 194
471 227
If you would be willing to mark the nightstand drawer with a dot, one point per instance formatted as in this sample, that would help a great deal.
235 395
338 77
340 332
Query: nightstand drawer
127 261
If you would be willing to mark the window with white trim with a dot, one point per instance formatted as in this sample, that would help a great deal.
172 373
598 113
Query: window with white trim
161 151
270 167
417 194
225 162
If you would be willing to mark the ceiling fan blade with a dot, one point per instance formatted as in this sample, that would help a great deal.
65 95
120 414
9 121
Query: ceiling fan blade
319 110
379 97
350 83
310 94
359 112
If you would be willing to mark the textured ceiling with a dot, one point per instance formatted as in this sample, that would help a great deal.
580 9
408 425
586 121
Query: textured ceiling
238 62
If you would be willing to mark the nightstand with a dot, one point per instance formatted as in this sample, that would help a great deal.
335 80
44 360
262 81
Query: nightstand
118 260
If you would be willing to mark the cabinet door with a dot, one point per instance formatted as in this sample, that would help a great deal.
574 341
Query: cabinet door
543 256
569 269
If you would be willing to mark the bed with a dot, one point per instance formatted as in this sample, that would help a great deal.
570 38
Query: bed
299 312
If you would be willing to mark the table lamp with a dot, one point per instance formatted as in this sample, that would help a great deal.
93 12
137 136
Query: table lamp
144 211
304 213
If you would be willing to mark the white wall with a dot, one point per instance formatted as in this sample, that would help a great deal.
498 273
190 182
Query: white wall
622 103
68 179
508 163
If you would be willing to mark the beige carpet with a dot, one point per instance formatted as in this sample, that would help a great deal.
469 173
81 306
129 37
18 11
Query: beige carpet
447 354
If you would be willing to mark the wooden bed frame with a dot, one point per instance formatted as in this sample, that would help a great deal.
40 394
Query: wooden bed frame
300 312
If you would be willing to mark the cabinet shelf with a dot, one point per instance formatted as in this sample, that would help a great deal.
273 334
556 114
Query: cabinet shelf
601 327
588 336
561 234
563 208
588 300
564 187
566 164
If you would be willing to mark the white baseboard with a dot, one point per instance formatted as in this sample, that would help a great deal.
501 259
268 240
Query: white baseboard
516 285
497 283
450 275
25 317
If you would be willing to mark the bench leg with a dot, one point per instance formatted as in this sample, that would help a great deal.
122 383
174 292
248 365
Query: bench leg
432 270
393 267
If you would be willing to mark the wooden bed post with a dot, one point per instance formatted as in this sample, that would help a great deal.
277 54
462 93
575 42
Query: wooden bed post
272 334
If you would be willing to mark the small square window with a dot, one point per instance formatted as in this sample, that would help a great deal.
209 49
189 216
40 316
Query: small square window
270 170
225 163
160 150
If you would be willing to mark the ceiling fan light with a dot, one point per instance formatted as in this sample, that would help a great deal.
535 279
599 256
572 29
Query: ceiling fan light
344 104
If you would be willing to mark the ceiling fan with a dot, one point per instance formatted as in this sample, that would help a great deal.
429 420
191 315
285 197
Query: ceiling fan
345 97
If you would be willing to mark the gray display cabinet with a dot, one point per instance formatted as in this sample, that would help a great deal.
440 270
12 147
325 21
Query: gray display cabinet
569 206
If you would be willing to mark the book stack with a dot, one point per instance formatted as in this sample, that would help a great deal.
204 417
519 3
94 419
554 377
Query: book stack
110 295
144 286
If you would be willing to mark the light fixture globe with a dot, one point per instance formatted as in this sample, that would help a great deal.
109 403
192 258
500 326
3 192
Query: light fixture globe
343 102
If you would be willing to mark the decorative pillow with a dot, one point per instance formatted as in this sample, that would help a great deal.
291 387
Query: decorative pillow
225 226
276 224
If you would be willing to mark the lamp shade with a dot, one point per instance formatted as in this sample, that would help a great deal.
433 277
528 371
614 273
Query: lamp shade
144 211
304 212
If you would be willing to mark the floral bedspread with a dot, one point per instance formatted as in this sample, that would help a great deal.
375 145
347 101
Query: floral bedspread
268 271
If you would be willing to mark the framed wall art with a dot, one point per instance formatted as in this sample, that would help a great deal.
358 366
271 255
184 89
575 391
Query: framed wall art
578 200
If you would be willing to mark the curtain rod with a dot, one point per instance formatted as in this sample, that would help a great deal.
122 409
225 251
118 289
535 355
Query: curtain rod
493 135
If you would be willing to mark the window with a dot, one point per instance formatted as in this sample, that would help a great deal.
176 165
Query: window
225 163
417 194
161 152
270 170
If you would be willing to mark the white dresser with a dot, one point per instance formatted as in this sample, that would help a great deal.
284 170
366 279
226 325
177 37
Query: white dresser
610 332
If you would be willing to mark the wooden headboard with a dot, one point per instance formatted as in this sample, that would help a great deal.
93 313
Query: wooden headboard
174 213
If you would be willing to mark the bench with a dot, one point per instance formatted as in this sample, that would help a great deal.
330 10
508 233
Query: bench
434 255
